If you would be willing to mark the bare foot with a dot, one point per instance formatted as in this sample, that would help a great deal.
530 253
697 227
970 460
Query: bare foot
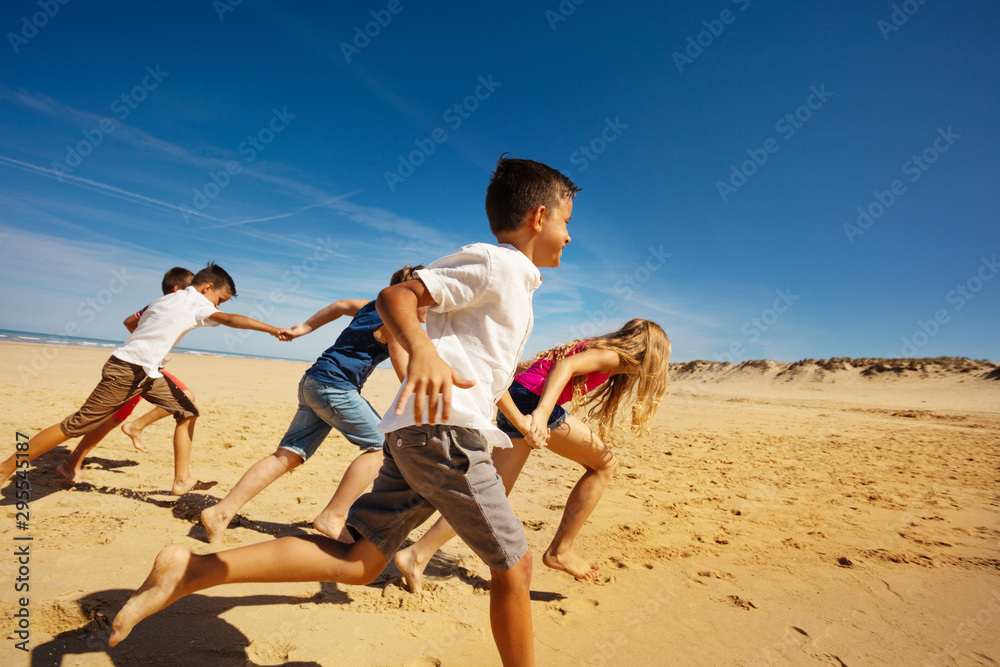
570 563
215 522
181 487
413 572
161 589
136 435
333 527
74 476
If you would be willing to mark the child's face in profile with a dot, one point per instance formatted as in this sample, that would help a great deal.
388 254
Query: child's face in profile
554 235
217 295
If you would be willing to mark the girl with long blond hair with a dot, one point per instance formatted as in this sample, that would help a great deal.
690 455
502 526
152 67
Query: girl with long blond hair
604 377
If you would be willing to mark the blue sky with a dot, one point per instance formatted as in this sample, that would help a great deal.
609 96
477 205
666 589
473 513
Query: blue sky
725 149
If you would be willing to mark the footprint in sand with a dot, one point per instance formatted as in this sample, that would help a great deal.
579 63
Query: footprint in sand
565 611
737 601
425 661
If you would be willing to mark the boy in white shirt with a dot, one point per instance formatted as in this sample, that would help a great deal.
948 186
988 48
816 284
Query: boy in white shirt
478 320
134 370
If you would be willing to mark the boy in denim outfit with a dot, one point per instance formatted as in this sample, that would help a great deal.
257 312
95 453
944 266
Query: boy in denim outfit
479 318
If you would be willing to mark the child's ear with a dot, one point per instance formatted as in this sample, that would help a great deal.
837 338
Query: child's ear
204 287
536 216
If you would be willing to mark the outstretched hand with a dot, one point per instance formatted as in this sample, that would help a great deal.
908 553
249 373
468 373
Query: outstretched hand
429 376
283 334
296 331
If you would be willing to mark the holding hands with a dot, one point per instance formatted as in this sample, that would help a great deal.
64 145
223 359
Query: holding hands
535 429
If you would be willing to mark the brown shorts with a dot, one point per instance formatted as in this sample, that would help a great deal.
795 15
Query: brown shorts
447 468
120 383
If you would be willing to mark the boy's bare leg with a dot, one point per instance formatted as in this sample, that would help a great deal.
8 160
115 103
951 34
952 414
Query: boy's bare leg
43 441
177 572
575 441
216 518
184 481
510 613
134 428
332 521
71 468
413 560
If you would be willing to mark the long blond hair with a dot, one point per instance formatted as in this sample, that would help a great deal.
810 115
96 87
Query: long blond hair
644 352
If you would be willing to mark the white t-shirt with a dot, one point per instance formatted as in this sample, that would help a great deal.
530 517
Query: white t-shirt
479 327
164 323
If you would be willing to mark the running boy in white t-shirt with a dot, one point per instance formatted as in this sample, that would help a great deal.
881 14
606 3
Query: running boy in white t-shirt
478 320
134 370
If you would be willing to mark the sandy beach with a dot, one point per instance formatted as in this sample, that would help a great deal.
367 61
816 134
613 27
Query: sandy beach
775 515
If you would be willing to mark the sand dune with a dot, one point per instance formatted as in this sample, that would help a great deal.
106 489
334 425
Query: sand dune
818 513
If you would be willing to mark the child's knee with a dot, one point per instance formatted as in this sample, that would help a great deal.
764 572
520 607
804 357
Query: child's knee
185 419
366 565
519 575
607 465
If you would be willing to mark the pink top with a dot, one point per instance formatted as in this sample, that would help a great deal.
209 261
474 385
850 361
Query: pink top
533 379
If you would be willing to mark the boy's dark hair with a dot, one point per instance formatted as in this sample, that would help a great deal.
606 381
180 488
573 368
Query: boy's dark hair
176 277
518 186
215 274
404 274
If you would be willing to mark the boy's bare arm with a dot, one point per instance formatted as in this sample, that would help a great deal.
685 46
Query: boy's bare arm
243 322
323 316
427 374
131 322
399 357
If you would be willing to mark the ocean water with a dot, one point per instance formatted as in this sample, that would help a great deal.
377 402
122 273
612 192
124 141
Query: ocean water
9 336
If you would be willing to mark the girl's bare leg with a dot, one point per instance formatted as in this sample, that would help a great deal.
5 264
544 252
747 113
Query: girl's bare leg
575 441
71 468
43 441
332 521
413 560
261 474
177 572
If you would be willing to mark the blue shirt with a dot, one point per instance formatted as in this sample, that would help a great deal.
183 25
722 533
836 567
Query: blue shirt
348 363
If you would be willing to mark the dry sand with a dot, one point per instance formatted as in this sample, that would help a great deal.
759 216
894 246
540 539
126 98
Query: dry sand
808 518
